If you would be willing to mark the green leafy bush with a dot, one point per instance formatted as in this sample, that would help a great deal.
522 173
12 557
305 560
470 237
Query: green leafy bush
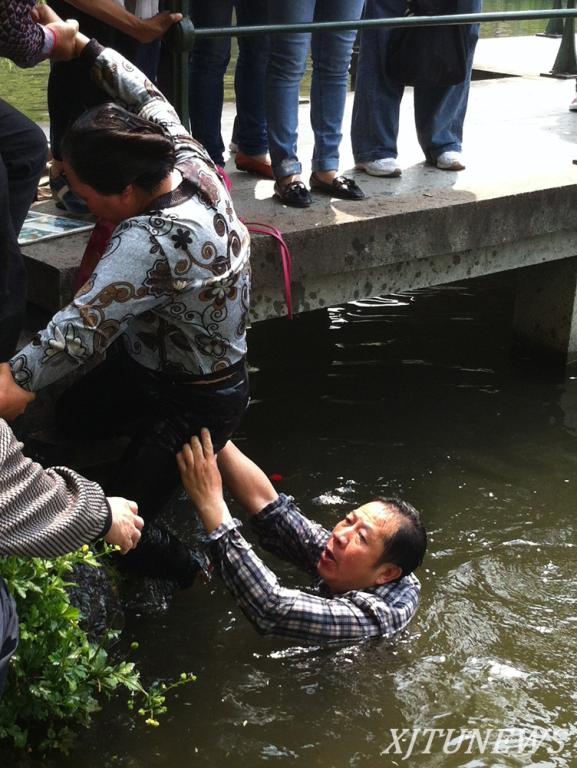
57 674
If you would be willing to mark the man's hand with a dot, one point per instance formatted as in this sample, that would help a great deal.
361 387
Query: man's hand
126 524
157 26
13 399
201 480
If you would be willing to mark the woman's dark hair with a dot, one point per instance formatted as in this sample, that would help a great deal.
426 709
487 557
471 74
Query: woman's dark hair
407 546
110 148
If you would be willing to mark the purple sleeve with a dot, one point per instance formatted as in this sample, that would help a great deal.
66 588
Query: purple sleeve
21 38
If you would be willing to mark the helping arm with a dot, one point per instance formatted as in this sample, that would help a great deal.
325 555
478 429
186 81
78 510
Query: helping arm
118 290
48 512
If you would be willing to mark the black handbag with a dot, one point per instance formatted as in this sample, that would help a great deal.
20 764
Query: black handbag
428 56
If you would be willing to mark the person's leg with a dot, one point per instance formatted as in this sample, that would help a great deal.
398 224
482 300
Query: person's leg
287 63
331 54
208 62
148 473
440 112
22 160
375 121
250 129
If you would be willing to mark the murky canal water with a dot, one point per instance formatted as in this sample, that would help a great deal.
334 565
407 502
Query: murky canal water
413 395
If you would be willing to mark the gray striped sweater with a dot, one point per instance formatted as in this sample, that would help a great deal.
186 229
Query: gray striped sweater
45 512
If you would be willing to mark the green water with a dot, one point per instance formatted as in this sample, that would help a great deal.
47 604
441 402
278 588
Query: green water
26 89
413 395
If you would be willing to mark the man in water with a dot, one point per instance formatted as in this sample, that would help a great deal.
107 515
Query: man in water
365 585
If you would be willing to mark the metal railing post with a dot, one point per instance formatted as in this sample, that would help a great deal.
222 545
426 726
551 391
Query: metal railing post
554 27
180 40
566 62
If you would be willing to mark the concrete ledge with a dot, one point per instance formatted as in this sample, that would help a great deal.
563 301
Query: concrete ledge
514 205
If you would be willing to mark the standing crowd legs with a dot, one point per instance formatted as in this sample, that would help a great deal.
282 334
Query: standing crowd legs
439 112
208 62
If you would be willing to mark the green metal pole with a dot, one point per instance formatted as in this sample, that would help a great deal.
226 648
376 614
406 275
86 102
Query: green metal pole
566 62
180 40
554 27
404 22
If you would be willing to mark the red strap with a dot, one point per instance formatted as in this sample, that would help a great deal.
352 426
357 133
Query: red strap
94 250
257 228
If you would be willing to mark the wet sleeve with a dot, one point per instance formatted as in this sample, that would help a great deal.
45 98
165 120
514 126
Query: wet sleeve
283 530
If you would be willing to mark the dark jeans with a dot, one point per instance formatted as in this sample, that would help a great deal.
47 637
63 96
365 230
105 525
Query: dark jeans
208 62
70 88
22 160
160 415
8 632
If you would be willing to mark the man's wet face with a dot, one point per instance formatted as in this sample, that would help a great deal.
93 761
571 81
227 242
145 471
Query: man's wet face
352 558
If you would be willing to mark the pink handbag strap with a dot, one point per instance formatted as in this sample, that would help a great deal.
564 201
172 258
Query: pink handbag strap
257 228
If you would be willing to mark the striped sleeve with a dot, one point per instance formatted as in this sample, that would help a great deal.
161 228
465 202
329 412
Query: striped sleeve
45 513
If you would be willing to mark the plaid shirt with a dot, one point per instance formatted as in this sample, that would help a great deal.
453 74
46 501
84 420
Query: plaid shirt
318 616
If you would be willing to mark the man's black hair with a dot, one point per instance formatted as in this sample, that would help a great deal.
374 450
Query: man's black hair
408 544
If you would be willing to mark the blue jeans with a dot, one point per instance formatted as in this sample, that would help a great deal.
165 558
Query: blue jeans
331 55
439 112
208 62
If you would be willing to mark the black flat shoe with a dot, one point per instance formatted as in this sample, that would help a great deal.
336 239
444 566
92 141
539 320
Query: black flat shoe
295 194
340 186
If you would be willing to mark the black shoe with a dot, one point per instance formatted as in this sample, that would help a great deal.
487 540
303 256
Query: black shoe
295 194
340 186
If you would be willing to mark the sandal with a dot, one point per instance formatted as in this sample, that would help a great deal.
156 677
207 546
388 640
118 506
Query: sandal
295 194
340 186
64 196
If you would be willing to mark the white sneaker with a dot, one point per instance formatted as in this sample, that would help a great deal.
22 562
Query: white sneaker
573 105
450 161
386 166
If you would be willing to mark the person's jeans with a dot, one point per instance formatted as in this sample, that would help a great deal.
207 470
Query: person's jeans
120 397
22 160
331 55
208 62
439 112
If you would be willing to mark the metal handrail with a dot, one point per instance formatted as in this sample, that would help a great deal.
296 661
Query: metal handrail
405 21
183 35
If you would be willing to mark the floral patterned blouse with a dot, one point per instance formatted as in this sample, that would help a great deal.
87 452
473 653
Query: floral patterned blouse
175 281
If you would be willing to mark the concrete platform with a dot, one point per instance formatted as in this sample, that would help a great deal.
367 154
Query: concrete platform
514 206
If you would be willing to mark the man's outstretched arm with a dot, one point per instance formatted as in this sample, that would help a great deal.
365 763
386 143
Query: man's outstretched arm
246 481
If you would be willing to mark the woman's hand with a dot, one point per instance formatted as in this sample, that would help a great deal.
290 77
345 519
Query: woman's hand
13 399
